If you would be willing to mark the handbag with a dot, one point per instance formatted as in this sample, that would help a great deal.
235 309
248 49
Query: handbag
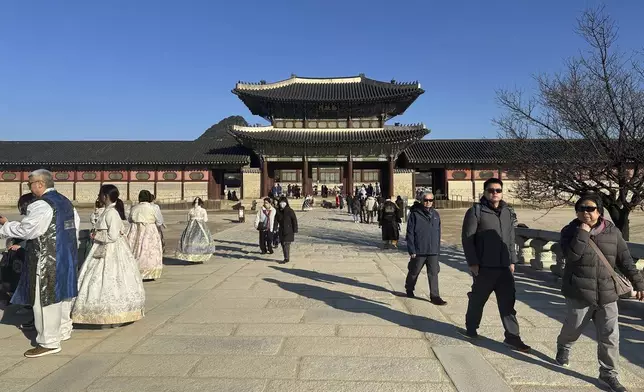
261 226
623 286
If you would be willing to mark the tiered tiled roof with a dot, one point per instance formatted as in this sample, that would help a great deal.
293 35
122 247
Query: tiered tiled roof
386 135
345 89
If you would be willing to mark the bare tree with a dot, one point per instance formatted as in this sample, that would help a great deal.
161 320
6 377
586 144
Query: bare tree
590 122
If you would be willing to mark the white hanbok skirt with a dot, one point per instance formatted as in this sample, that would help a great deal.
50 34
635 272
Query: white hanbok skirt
110 289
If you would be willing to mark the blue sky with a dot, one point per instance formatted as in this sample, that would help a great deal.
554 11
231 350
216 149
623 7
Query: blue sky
161 69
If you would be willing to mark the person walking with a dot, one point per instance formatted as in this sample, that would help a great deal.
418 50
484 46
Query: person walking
286 223
356 209
390 222
423 244
489 247
594 248
264 223
52 224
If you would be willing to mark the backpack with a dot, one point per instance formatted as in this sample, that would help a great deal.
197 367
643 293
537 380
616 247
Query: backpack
477 214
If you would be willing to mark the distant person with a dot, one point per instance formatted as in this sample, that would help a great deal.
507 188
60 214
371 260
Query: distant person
286 227
489 247
196 244
594 249
264 224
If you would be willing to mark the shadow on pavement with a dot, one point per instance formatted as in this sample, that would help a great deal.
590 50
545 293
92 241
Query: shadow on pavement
541 291
361 305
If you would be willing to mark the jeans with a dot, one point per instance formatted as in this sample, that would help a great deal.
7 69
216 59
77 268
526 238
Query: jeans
286 249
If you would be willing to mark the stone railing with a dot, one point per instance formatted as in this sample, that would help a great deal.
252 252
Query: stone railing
542 250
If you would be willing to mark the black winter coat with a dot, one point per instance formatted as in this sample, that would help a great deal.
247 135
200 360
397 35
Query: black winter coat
488 236
389 222
423 231
286 224
585 276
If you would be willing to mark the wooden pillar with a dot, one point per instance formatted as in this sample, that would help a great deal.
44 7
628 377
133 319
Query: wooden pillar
214 185
156 177
349 190
265 189
74 183
305 176
392 163
183 193
473 183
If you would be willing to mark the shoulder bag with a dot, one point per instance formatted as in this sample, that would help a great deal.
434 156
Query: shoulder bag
623 286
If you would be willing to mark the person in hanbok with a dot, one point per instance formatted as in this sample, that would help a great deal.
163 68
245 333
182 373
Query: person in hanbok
196 245
160 221
144 238
110 288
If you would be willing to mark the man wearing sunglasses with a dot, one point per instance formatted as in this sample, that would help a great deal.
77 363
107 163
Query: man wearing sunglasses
423 245
488 244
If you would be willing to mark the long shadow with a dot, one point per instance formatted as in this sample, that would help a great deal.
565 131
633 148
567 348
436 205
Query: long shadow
361 305
328 235
235 243
328 278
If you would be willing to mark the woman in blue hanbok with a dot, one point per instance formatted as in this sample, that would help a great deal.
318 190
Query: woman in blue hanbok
196 244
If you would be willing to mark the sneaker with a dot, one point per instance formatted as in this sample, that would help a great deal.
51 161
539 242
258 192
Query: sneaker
40 351
612 383
563 357
467 334
438 301
410 294
517 344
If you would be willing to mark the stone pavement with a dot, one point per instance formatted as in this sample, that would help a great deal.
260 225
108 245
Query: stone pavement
331 320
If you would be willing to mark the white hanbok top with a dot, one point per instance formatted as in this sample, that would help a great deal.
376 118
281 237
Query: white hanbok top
198 213
143 212
158 214
109 225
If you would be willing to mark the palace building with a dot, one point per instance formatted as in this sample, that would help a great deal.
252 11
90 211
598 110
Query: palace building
322 131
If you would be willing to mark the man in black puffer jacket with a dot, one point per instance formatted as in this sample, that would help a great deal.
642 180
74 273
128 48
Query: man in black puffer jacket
589 287
488 244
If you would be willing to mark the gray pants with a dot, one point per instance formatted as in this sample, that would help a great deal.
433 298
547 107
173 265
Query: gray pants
605 318
414 269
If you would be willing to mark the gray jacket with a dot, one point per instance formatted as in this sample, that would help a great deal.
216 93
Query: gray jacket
488 236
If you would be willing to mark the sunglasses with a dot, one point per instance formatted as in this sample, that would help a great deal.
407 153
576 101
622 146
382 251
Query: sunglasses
428 200
494 190
586 209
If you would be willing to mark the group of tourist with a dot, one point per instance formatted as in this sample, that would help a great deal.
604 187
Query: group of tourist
594 249
126 250
276 225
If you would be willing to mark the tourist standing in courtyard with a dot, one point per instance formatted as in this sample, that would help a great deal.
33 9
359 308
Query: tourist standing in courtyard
488 244
356 209
144 238
110 288
423 245
52 224
286 225
160 220
594 249
196 244
264 223
389 222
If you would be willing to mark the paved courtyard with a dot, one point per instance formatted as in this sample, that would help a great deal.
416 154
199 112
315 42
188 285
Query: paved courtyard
331 320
